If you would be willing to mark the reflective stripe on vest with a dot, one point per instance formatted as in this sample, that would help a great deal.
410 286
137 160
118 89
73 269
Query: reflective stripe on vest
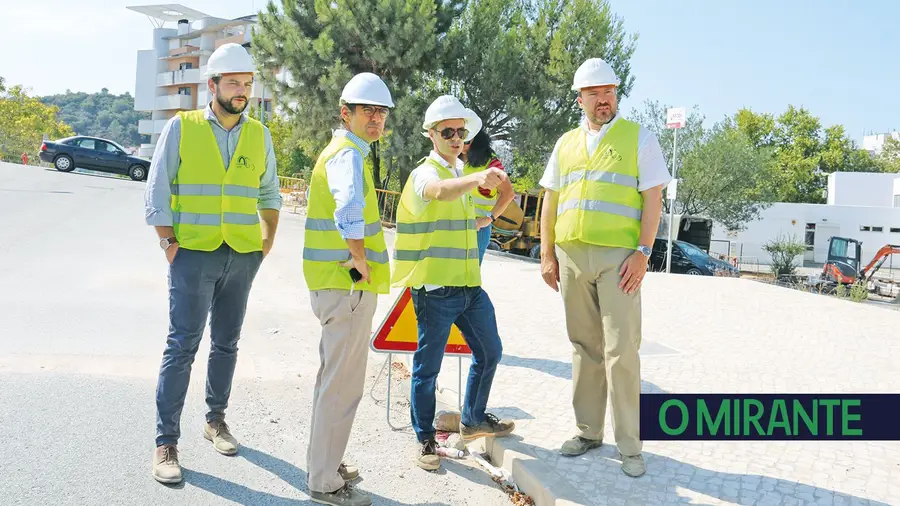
483 205
324 249
439 246
599 201
211 205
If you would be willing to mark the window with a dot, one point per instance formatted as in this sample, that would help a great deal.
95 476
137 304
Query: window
895 230
184 90
896 200
185 65
877 229
87 144
865 228
810 238
105 146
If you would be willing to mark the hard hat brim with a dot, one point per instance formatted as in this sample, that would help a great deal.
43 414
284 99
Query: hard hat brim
580 86
365 101
473 125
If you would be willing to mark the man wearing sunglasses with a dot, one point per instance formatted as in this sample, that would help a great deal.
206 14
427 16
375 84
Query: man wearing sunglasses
346 265
436 256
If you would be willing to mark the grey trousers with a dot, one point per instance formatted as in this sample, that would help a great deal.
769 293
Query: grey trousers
343 351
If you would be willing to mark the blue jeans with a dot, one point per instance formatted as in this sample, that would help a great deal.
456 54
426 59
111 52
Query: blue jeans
472 311
215 283
484 238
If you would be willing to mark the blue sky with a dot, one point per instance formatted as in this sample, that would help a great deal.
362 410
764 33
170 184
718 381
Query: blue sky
837 59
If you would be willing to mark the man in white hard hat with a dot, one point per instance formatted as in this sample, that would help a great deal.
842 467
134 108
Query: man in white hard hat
436 256
602 207
346 265
213 196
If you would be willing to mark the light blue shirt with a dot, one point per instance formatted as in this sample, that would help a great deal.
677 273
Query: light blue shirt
347 185
167 160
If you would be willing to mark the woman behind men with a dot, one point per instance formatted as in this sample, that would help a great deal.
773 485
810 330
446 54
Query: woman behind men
489 204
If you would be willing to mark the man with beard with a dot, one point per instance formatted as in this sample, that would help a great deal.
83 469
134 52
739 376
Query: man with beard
601 211
343 240
213 176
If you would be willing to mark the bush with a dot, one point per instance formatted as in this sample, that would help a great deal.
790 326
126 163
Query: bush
859 292
783 252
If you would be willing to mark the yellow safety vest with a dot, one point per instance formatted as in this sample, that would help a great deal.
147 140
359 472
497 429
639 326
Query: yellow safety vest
483 205
211 205
323 247
599 202
438 247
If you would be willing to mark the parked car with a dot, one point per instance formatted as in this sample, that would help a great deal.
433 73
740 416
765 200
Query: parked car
689 259
93 153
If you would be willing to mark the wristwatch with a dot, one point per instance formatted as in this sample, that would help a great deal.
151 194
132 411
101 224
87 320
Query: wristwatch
645 250
165 242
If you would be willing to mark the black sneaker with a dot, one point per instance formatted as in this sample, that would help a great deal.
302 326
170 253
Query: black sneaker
429 460
491 427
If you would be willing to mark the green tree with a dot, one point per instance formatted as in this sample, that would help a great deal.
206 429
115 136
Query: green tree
720 170
323 44
803 153
722 177
653 118
101 114
24 121
512 62
889 158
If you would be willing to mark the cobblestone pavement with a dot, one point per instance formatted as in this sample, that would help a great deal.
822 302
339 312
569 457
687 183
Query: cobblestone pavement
700 335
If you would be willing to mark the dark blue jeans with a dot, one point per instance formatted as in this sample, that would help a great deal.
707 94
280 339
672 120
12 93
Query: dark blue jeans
472 311
201 283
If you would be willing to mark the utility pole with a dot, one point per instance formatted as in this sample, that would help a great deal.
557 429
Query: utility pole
675 118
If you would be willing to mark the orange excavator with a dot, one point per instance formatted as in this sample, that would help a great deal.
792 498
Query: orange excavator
844 255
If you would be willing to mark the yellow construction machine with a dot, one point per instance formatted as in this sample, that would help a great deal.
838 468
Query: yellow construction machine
518 229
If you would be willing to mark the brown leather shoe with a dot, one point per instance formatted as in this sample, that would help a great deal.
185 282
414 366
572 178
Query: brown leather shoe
220 435
166 468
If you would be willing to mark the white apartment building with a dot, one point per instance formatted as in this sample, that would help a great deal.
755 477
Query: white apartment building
171 76
860 205
875 143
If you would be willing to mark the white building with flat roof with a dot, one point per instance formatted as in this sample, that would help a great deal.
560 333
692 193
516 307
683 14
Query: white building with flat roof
875 143
861 205
171 76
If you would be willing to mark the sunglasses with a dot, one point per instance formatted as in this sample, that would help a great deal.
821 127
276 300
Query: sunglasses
447 133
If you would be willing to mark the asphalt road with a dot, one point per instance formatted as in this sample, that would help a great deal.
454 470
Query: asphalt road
83 320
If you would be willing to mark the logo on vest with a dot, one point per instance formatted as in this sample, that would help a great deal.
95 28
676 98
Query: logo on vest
243 162
612 153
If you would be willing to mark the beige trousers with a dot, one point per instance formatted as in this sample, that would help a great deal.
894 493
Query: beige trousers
604 327
343 351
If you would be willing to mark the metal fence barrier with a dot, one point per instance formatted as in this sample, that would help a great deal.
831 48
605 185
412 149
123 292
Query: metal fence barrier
387 203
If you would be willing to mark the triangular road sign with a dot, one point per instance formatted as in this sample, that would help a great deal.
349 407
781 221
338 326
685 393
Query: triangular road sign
398 333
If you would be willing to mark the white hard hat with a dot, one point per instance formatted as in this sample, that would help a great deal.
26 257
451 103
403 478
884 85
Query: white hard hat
594 72
449 107
230 58
367 88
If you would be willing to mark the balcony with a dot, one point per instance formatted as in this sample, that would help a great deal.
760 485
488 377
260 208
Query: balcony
174 102
175 77
183 50
150 126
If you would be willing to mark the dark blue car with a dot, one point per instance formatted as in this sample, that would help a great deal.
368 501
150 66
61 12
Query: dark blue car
93 153
689 259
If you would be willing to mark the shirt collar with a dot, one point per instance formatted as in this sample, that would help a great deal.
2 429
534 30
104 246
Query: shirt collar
439 159
605 128
211 116
363 146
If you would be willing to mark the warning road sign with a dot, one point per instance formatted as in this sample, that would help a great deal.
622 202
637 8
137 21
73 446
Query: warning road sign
398 332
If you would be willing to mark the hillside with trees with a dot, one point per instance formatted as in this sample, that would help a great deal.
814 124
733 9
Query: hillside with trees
101 114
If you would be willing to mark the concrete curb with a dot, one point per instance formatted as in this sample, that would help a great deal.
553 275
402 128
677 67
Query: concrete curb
532 476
